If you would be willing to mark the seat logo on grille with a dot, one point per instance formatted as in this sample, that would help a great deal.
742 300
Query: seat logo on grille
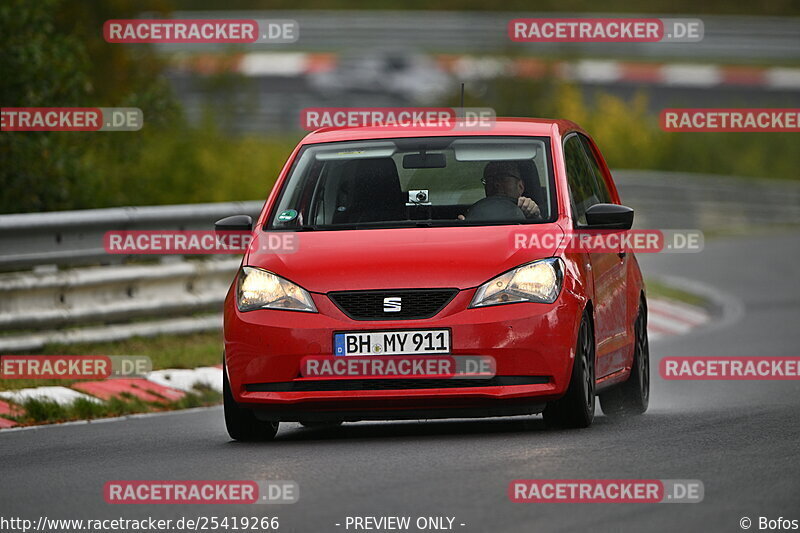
392 304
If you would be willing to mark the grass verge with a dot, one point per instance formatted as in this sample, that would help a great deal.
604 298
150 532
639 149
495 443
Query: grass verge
165 351
659 290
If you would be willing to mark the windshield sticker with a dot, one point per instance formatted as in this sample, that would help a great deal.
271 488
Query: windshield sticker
288 215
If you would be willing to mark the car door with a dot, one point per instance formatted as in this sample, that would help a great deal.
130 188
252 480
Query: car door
587 187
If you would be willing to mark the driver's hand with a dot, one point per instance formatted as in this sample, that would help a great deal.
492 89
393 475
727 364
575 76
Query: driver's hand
528 207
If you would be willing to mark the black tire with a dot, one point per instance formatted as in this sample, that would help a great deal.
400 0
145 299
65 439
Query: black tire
241 423
314 425
576 408
633 396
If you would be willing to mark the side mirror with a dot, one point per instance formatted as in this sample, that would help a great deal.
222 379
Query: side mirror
609 216
234 223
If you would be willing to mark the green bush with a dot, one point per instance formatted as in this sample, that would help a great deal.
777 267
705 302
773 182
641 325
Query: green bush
630 137
180 164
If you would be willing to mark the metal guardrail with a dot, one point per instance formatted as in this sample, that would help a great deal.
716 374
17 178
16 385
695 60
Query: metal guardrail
678 200
105 303
35 300
112 301
727 38
76 237
662 200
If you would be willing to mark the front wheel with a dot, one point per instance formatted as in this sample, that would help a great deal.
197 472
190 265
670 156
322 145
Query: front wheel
633 396
576 408
241 423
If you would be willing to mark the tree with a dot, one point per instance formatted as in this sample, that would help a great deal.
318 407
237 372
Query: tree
54 56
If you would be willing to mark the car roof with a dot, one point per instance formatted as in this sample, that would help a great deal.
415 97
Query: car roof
502 127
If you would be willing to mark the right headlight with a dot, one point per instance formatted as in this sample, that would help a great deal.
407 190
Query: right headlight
539 281
259 289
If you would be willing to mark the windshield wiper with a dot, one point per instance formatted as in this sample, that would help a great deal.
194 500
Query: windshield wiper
387 224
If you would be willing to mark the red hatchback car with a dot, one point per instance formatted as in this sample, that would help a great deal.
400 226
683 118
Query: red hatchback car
404 246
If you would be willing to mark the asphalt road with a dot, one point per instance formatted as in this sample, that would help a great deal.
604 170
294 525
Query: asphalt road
742 439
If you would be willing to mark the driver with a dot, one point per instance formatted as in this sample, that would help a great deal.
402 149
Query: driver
504 186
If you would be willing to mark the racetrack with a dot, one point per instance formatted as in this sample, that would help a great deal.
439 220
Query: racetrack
742 439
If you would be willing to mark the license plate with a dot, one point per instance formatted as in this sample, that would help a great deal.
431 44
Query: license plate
405 342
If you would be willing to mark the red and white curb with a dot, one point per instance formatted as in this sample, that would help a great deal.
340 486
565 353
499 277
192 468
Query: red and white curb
665 318
465 67
8 409
186 380
139 388
606 72
59 395
160 386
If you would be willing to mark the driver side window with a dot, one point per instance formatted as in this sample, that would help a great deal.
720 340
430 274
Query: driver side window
582 190
600 182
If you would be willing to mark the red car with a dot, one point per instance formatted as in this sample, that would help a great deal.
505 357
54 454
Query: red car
409 235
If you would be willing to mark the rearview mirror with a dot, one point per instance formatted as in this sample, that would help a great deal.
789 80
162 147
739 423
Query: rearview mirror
609 216
424 160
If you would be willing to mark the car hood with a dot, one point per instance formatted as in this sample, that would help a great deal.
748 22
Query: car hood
460 257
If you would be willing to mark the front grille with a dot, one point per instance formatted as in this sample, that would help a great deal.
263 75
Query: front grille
414 303
329 385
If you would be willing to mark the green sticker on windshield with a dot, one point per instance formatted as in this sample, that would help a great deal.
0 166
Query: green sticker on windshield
286 216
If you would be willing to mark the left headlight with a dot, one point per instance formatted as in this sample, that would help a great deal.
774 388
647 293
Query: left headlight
259 289
539 281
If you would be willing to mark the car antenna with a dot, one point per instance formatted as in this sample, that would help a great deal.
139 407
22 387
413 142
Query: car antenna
462 95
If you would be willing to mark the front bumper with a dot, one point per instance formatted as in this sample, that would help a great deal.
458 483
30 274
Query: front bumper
532 344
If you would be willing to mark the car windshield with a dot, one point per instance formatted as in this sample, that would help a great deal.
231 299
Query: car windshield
418 182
